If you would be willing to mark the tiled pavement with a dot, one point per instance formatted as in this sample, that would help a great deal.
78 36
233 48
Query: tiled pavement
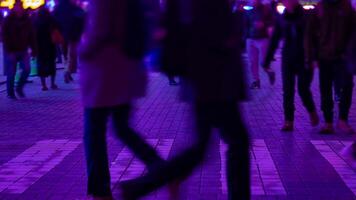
41 150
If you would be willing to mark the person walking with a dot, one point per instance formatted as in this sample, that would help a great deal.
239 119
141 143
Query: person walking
18 37
329 34
215 75
291 27
46 59
258 20
112 76
71 19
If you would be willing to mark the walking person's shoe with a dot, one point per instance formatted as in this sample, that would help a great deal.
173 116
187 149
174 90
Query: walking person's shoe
314 119
173 82
328 128
54 87
255 85
288 126
12 96
44 88
345 127
20 93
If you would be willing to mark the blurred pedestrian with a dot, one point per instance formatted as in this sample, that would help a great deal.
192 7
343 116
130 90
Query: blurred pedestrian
46 31
112 76
214 73
291 26
71 19
258 20
330 33
18 37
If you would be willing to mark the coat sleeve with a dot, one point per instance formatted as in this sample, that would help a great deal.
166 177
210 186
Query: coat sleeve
273 44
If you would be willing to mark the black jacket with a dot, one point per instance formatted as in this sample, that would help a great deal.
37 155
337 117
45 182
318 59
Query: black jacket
291 27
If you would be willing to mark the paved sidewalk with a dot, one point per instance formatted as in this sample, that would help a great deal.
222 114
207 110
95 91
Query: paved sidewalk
41 149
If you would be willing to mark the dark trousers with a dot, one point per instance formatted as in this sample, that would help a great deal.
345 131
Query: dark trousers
11 61
95 121
304 77
227 118
335 72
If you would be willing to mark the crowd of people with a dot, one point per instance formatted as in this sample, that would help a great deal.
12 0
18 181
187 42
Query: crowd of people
46 34
201 42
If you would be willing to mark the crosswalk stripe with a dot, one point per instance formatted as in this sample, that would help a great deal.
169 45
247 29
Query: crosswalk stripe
126 166
340 164
265 178
18 174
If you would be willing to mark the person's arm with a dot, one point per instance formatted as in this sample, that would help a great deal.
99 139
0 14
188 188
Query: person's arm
273 45
32 38
311 38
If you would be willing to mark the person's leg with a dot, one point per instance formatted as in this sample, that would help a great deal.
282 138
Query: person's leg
288 81
25 65
95 120
326 94
344 81
305 78
179 167
43 83
146 153
252 52
234 133
73 57
10 65
262 48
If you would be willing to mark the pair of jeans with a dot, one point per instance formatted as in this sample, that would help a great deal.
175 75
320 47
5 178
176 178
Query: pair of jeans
11 61
335 72
95 121
224 116
290 73
256 50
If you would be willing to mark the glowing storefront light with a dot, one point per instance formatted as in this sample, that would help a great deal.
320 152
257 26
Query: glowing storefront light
33 4
280 9
247 7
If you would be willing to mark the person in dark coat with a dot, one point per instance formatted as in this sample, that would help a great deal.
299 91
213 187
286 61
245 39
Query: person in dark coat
18 37
215 75
291 27
329 33
71 20
46 58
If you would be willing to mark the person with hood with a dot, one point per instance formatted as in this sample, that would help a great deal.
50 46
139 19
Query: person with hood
46 59
18 37
214 77
112 76
329 34
291 27
71 20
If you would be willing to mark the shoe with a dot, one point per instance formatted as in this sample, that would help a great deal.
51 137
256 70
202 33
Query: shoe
327 129
345 127
44 88
255 85
54 87
287 127
20 93
12 97
271 76
173 83
314 119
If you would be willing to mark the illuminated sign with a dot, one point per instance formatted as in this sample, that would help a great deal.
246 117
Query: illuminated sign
32 4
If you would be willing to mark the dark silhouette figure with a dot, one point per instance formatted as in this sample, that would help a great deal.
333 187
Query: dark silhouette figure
214 72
